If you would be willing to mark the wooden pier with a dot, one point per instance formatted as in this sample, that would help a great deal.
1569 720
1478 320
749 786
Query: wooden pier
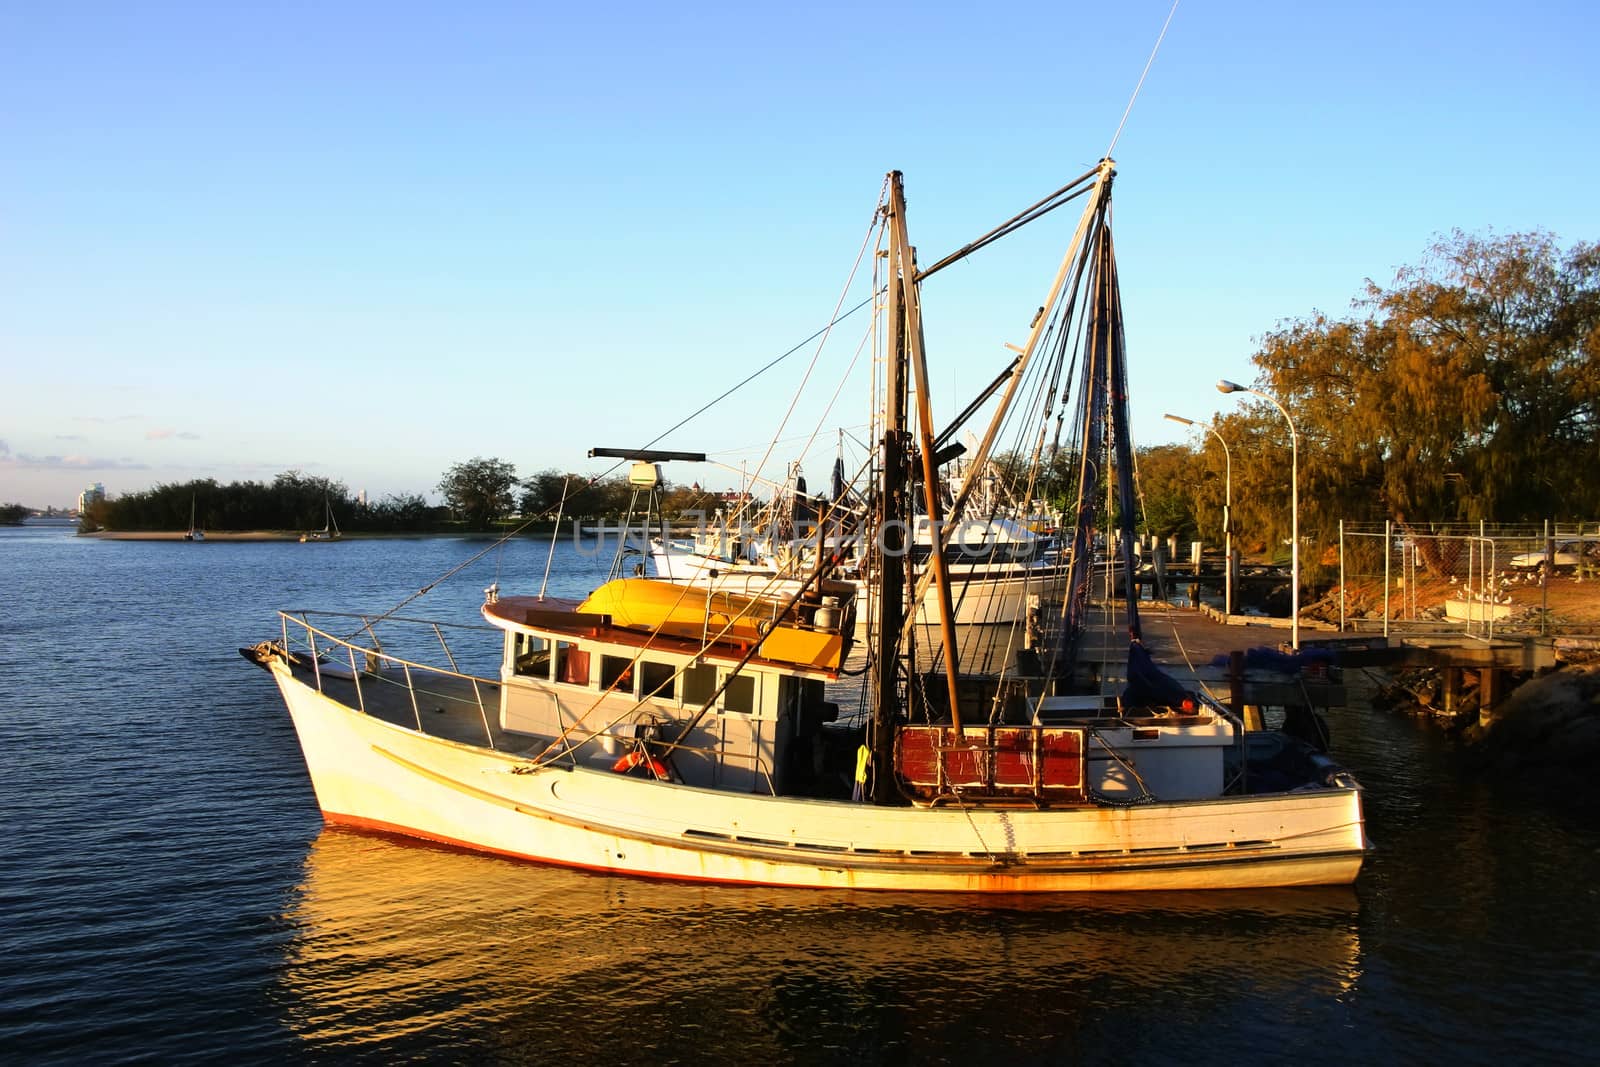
1247 663
1187 643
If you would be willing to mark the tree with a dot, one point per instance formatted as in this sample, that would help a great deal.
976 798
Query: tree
479 491
1468 391
304 499
541 492
395 512
12 514
1166 478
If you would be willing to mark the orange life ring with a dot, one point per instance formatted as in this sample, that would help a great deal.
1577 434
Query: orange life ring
638 757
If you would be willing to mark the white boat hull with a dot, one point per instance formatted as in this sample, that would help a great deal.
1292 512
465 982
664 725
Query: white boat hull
373 774
1475 610
992 600
982 595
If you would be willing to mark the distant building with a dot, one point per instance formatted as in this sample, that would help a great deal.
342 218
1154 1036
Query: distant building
92 495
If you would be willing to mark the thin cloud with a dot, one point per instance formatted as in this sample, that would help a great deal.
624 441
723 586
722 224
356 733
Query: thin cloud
168 432
24 461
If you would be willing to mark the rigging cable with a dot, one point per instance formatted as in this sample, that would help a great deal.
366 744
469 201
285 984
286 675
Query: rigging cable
463 565
1142 74
1066 193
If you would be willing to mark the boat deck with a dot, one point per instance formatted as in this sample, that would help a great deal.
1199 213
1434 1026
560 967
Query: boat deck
440 705
466 710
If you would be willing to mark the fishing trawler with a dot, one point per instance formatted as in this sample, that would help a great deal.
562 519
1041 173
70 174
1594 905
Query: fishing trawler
998 565
682 731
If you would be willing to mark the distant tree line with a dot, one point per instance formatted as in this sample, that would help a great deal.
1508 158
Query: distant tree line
12 514
291 501
480 495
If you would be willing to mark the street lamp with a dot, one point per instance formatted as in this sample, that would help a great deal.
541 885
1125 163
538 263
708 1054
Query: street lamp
1227 509
1225 386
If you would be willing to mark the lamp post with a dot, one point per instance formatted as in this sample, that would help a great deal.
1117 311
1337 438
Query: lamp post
1227 511
1225 386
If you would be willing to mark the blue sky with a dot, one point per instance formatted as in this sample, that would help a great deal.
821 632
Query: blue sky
368 241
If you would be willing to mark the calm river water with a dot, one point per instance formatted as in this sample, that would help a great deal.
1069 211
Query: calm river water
169 891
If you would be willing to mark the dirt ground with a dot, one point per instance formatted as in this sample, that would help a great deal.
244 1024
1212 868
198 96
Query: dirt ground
1572 602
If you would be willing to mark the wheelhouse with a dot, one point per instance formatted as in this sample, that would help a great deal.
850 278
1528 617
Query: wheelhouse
602 692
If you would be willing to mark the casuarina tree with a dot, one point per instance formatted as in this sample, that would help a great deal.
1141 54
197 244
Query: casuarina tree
480 491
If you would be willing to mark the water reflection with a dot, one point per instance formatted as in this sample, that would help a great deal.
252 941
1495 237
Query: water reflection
420 948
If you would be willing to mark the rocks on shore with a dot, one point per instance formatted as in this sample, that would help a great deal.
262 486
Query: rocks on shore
1552 720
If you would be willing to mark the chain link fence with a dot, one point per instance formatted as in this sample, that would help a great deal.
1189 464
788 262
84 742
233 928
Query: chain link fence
1478 579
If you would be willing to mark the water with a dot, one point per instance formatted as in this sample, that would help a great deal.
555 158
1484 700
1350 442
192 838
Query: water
169 891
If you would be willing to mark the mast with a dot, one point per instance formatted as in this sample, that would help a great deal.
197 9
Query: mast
1106 328
888 547
905 265
1068 277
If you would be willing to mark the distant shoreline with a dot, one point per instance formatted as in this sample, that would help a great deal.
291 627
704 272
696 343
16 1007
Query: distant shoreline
296 535
180 535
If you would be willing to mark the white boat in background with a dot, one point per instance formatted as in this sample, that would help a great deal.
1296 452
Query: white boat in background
683 731
1002 569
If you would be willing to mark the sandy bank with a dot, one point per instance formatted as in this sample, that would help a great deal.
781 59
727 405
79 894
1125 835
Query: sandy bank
179 535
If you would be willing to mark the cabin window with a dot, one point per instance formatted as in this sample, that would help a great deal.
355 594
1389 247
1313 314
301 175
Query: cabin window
616 674
740 695
656 680
531 656
572 664
698 684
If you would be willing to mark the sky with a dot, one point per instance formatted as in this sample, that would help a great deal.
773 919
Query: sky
367 241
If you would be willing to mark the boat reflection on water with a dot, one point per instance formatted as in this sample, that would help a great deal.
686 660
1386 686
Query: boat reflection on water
408 948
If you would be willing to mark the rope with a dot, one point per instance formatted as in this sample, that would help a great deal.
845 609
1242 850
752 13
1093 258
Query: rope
1176 636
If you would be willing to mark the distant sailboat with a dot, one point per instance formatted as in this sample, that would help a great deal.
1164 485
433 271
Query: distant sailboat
195 533
330 526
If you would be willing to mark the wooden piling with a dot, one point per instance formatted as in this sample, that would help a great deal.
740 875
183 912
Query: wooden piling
1488 694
